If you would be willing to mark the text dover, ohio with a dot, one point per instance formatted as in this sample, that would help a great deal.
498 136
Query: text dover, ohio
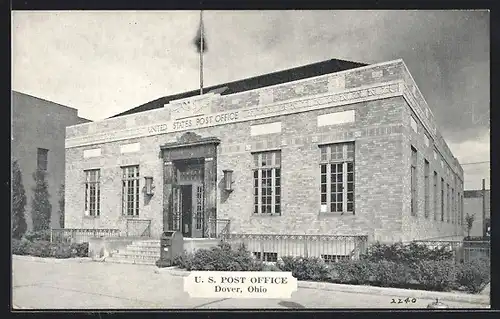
240 284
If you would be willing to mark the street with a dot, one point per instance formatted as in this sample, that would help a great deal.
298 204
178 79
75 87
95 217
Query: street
94 285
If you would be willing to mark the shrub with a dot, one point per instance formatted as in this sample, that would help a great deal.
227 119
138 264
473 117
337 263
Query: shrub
183 261
79 250
392 274
270 267
434 275
223 258
18 208
41 209
39 248
32 236
43 248
406 253
357 272
20 247
304 268
474 274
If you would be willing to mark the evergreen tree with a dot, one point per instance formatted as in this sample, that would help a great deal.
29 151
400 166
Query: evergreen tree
61 206
18 221
41 209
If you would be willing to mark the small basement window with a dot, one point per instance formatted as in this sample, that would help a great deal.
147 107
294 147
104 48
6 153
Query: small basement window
267 256
334 258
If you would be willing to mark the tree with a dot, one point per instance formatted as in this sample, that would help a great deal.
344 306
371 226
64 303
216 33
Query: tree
41 209
469 220
61 206
18 222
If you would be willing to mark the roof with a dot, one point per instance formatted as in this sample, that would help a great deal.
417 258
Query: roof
476 193
284 76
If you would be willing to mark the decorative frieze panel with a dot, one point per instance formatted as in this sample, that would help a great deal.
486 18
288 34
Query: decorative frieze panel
374 92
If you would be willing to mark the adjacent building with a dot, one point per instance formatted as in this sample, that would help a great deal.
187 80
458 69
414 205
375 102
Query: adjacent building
37 141
473 205
331 148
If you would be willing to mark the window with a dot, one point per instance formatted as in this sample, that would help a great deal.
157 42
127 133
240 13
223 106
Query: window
42 158
267 183
414 194
436 195
92 192
448 203
266 256
130 190
442 199
199 207
337 178
426 189
334 258
452 206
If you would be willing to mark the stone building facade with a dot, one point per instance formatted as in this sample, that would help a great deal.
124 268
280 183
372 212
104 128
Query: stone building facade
38 133
328 153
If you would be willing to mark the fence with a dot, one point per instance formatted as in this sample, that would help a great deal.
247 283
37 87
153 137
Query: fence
72 235
463 250
271 247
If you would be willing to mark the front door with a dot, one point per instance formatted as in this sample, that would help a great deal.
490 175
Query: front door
187 210
198 209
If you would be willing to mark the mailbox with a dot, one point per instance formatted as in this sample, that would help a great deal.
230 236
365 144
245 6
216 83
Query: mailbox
171 246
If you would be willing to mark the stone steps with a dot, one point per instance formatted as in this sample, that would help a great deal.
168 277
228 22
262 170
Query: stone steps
121 260
144 252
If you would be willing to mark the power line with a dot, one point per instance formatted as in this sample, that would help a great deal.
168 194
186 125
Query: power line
474 163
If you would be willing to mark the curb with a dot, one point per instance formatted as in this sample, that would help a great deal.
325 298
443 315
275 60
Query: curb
172 270
53 260
402 293
381 291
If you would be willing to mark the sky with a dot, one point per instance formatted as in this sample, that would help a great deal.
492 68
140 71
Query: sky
106 62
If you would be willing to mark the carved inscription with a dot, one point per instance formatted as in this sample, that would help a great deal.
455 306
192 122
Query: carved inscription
240 115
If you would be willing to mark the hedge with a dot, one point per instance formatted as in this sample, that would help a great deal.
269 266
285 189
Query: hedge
220 258
398 266
43 248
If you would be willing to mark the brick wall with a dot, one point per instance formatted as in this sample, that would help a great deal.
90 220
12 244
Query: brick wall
382 136
37 123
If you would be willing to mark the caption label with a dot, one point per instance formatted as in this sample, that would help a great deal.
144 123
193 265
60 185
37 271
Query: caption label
240 284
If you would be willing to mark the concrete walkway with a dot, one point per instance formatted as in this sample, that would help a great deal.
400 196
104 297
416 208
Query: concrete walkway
42 284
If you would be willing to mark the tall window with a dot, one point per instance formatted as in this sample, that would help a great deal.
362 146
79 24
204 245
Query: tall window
42 155
426 189
267 183
436 195
452 206
337 178
414 201
92 192
448 203
442 199
130 190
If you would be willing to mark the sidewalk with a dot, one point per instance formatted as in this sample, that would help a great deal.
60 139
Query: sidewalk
93 285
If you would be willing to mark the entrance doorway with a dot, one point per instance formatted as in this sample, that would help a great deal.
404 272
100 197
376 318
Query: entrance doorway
188 198
190 209
190 185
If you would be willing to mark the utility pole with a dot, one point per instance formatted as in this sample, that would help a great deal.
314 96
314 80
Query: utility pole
201 52
484 208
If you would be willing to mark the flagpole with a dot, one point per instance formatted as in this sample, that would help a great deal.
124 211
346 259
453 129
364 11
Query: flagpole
201 52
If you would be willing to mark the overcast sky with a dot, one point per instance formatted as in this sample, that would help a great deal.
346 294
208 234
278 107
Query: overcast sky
104 63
